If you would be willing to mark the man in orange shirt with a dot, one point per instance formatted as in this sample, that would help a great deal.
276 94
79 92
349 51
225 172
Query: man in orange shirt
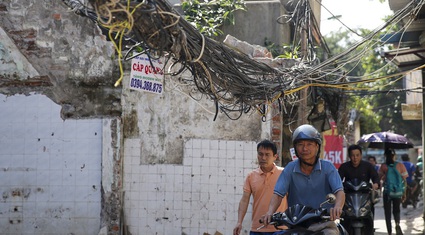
260 183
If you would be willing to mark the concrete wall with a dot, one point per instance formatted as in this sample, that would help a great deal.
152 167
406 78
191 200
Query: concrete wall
251 28
47 49
44 47
162 122
73 66
183 172
50 169
259 22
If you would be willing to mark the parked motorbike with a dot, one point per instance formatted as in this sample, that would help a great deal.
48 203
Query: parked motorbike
420 190
299 217
414 190
419 181
411 197
359 200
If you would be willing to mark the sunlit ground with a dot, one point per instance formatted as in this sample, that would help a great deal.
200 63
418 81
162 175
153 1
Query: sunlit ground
411 220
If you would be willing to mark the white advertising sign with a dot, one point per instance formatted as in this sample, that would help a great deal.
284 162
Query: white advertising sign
293 155
144 76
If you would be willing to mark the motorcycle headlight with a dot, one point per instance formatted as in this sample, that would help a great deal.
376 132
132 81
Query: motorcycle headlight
349 211
363 210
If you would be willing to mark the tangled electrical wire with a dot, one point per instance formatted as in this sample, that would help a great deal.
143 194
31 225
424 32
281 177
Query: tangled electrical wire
234 81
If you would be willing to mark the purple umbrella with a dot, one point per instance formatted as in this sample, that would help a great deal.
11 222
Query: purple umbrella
382 140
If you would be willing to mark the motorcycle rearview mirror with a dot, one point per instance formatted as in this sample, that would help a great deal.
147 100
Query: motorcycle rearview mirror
330 198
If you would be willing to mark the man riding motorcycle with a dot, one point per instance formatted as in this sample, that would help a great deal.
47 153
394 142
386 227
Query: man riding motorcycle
308 179
353 173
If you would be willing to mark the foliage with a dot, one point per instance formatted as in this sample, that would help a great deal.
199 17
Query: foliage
369 121
209 16
379 106
284 51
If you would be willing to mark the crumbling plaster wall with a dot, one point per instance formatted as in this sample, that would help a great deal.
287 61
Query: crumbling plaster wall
47 49
58 54
51 175
162 123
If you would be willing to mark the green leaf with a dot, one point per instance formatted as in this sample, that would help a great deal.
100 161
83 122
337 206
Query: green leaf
211 15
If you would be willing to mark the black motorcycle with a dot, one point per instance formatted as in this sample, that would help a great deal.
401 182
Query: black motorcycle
419 181
358 215
298 219
412 195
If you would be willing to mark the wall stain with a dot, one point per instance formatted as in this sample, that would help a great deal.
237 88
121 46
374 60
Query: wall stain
130 127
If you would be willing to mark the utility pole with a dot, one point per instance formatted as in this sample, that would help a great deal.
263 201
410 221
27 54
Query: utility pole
302 113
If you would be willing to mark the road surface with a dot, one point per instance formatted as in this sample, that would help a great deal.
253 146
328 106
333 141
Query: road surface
411 220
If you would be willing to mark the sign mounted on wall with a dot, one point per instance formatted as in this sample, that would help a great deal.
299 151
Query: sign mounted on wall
146 76
333 146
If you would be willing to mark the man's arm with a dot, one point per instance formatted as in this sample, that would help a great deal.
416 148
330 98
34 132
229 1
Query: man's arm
336 211
374 177
243 207
381 172
275 202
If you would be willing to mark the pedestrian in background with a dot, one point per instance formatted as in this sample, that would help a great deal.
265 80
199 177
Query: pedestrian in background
372 160
390 161
411 170
260 184
410 167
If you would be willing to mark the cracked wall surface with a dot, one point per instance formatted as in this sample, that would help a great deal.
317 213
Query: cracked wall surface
51 169
48 49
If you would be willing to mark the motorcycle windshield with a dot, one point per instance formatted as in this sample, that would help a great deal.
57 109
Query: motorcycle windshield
299 216
356 186
357 205
296 232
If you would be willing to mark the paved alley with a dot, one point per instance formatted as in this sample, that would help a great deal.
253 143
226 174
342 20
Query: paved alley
411 220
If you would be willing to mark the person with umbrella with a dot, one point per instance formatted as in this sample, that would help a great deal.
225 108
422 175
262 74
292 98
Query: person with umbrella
389 141
390 162
384 140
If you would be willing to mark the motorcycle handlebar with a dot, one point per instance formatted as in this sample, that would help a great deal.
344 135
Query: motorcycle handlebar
327 216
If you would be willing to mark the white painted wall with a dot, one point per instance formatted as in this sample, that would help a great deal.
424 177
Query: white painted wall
50 169
201 196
